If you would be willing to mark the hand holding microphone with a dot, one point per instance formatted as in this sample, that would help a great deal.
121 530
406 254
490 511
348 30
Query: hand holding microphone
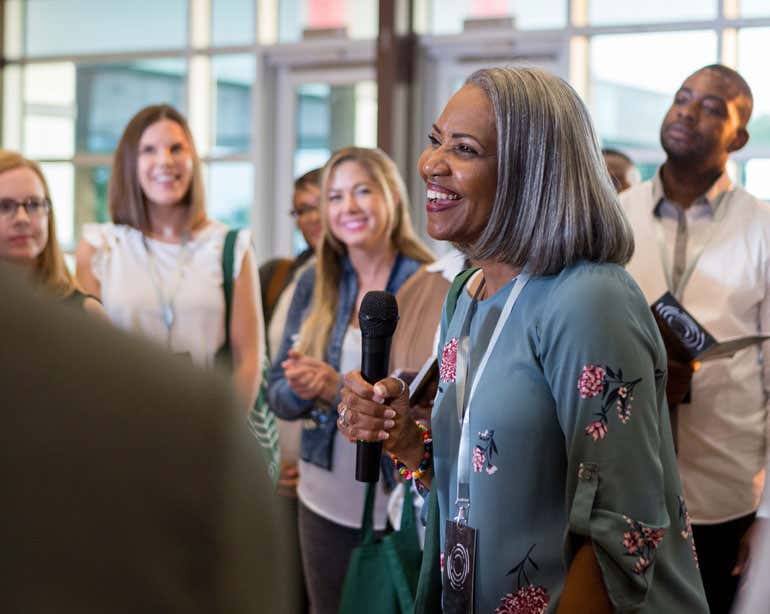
364 418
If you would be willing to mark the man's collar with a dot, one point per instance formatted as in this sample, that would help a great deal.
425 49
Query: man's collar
712 196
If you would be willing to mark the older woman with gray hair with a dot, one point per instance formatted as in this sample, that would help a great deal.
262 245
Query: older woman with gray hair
551 468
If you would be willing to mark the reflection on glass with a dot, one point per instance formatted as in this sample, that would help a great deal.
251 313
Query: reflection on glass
442 17
757 177
754 8
230 192
233 77
752 64
66 27
60 177
359 17
608 12
634 78
232 22
108 95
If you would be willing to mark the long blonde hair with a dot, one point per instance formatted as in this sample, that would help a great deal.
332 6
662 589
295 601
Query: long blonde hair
50 268
316 329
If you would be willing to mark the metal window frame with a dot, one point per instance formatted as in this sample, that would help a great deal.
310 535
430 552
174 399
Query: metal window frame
276 60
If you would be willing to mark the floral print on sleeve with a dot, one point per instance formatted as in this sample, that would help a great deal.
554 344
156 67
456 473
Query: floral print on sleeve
641 542
483 452
617 393
528 598
448 367
686 531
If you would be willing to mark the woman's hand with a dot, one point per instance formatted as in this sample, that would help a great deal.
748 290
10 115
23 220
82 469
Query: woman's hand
310 378
380 413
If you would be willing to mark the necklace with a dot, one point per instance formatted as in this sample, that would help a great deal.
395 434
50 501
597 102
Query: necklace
167 300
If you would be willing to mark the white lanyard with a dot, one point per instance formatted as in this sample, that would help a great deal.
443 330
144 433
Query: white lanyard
167 302
719 210
463 501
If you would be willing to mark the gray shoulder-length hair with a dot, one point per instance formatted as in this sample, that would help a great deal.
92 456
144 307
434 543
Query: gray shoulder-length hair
554 203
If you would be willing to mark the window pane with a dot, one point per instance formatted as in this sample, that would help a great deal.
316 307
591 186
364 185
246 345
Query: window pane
333 116
95 26
757 178
108 95
91 195
752 64
754 8
48 126
230 192
60 178
359 17
606 12
447 17
234 78
47 136
330 117
232 22
634 78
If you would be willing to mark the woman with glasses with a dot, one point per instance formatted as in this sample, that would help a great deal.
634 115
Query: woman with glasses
28 230
157 268
367 244
278 276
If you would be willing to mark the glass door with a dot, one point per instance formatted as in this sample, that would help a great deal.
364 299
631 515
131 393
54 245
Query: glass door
320 111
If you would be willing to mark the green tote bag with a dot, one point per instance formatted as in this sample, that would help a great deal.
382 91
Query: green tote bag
382 575
261 420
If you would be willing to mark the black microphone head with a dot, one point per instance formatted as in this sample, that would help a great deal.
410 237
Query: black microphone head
378 315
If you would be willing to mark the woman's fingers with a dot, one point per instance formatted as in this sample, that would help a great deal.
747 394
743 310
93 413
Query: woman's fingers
392 388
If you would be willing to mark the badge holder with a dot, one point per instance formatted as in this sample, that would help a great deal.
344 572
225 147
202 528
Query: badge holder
459 538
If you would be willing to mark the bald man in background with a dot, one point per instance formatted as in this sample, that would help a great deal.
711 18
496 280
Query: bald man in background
130 483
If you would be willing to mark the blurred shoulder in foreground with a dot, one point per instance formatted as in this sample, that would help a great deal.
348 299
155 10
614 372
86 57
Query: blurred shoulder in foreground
130 481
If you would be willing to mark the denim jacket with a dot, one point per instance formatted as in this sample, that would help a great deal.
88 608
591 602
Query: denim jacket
319 431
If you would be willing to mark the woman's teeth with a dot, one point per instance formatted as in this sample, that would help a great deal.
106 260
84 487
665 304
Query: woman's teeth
435 195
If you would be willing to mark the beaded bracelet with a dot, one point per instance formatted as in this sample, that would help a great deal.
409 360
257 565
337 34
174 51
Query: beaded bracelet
427 458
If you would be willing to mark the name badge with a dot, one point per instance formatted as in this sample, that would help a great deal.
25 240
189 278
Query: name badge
459 567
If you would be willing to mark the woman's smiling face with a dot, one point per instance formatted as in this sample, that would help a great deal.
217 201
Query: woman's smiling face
459 167
357 211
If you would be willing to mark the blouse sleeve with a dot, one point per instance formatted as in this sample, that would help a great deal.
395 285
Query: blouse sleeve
282 400
102 238
602 358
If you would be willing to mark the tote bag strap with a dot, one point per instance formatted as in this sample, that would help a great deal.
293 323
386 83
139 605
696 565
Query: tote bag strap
367 520
228 267
454 291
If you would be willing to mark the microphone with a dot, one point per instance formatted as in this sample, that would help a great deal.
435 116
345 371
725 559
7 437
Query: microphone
377 318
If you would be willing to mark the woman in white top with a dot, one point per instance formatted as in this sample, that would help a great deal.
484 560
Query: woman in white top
158 267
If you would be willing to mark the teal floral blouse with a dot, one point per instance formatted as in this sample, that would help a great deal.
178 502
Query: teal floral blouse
571 439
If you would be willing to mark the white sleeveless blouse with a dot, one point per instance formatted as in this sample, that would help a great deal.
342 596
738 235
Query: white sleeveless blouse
129 280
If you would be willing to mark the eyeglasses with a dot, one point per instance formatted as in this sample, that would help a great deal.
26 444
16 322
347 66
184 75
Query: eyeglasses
35 208
303 211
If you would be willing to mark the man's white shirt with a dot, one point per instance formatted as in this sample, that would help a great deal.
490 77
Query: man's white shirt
723 432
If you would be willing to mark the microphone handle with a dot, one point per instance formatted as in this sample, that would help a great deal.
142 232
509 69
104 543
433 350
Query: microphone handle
375 355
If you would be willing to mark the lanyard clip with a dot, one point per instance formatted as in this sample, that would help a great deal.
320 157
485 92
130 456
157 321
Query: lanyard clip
463 505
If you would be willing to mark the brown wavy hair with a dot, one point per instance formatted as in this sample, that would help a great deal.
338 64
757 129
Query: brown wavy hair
128 204
50 268
315 330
